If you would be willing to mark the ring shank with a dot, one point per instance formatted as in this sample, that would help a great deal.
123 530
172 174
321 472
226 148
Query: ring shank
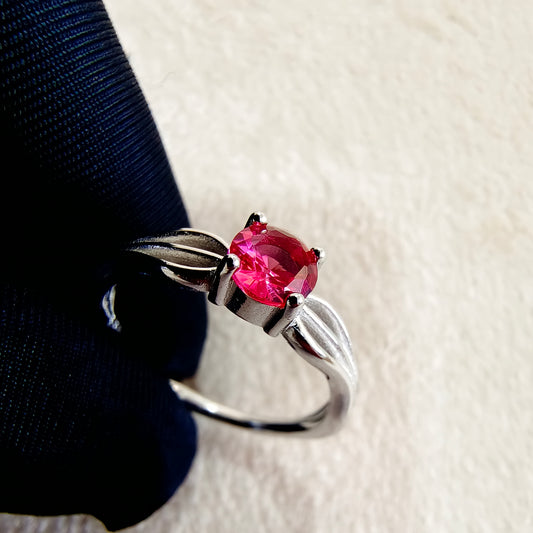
200 404
330 360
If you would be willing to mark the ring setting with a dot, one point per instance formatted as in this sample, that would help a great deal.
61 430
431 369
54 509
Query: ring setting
265 276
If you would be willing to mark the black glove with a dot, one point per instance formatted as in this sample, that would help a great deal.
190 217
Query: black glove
88 422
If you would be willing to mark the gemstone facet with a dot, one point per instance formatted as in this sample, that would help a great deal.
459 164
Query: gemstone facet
273 264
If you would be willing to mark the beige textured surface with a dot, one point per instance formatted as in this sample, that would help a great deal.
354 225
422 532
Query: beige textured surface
397 135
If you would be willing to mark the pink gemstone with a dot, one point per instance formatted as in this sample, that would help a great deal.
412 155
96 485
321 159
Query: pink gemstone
273 265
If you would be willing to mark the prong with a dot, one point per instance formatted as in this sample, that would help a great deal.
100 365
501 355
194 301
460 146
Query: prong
295 300
256 217
287 316
320 255
224 286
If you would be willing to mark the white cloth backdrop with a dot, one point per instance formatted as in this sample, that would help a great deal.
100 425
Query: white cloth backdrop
397 135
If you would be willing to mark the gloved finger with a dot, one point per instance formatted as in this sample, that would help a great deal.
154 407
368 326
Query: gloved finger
79 401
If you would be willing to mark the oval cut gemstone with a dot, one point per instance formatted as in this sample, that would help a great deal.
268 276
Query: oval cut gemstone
273 265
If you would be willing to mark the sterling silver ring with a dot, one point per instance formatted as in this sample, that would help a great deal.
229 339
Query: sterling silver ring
265 277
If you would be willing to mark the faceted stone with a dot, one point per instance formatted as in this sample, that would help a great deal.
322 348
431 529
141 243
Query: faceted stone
273 264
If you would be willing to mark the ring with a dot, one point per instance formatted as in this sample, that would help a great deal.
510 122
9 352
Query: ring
265 277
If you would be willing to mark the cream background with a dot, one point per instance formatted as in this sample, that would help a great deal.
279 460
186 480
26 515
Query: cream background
397 135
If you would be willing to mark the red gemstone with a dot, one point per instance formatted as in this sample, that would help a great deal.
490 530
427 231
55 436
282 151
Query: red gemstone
273 265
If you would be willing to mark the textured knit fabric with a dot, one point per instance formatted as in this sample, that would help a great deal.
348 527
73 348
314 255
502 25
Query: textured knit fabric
88 422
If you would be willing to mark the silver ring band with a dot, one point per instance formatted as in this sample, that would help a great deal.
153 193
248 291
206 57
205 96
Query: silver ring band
202 261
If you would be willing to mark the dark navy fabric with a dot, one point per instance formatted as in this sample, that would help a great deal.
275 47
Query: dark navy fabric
88 423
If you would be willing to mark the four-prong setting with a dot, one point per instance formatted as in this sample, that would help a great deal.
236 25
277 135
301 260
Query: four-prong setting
266 275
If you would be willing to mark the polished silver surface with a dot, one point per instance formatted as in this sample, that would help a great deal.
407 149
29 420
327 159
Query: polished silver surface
108 305
200 260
